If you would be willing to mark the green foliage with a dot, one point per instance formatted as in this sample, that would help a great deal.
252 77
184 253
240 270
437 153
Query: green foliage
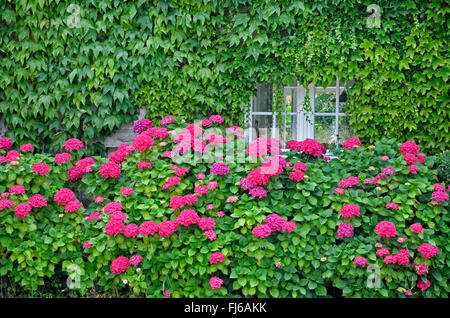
443 167
32 248
83 71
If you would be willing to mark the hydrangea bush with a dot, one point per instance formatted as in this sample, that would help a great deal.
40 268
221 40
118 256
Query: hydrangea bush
190 210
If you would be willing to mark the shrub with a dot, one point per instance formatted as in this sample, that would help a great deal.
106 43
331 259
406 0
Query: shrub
443 167
264 226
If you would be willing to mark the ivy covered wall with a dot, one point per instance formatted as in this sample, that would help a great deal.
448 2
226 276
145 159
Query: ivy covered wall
83 68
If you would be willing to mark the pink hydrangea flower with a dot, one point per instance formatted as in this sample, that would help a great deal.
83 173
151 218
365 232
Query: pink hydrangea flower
413 169
131 230
166 228
144 164
416 227
112 207
110 170
384 158
382 251
93 216
232 199
87 244
210 207
339 191
187 217
126 190
73 144
360 261
62 157
349 210
200 176
64 196
210 234
5 143
220 214
422 285
148 227
212 185
216 257
73 206
288 226
17 189
262 231
215 282
427 250
206 223
26 147
114 227
258 192
409 147
351 143
120 265
219 168
6 204
388 171
392 205
37 201
386 229
22 210
345 230
274 221
136 259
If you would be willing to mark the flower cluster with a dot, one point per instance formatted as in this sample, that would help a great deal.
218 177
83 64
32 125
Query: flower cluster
73 144
219 168
349 210
110 170
142 125
351 143
41 168
386 229
177 201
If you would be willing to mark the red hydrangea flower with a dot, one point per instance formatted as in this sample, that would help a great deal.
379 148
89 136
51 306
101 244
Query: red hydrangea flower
344 230
219 168
187 217
413 169
388 171
64 196
297 175
131 230
62 157
438 196
206 223
200 190
274 221
26 147
262 231
142 142
256 177
167 120
37 201
126 191
73 206
288 226
157 132
17 189
416 228
93 216
118 216
312 148
22 210
210 234
112 207
212 185
386 229
6 204
351 143
171 181
392 205
216 119
402 257
216 257
144 164
349 210
360 261
148 227
142 125
301 166
348 182
110 170
439 187
73 144
258 192
382 252
428 250
114 227
136 259
120 265
215 282
99 199
409 158
166 228
5 143
422 285
41 168
409 147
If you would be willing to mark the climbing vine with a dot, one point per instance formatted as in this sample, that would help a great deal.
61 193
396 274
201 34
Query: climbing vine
83 69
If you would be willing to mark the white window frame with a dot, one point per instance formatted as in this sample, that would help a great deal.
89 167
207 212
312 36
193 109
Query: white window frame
305 127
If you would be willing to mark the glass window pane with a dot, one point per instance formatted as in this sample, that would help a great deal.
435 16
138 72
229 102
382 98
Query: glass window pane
324 131
343 100
263 101
289 129
290 99
325 102
262 126
345 132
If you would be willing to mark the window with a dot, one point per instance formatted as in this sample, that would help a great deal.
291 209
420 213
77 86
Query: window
325 120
